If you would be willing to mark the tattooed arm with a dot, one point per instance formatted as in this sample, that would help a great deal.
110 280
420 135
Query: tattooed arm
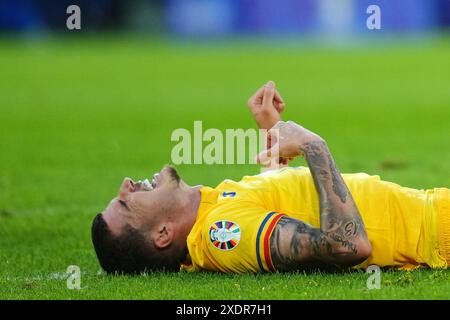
341 239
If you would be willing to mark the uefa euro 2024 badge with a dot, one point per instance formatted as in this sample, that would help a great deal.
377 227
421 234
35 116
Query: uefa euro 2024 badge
225 235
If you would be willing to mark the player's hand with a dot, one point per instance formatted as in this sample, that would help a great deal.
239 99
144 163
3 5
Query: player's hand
266 105
286 140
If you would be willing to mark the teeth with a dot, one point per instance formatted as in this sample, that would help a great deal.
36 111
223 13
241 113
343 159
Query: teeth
154 180
147 184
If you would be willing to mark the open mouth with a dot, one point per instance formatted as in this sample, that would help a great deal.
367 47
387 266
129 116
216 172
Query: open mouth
146 185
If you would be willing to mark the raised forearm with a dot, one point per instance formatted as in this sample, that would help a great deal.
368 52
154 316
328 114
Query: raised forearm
340 220
341 238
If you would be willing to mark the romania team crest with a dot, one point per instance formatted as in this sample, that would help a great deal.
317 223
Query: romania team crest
225 235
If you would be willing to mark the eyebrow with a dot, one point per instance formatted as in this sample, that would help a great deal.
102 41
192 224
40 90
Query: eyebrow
123 204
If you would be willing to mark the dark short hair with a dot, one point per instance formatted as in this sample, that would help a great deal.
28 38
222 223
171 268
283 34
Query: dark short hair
130 252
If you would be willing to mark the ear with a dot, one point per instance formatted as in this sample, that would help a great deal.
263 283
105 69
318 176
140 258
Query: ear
164 236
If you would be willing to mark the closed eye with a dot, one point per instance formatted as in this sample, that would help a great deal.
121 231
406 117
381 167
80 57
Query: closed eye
123 204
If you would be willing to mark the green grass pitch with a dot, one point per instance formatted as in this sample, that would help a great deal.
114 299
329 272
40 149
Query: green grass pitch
76 116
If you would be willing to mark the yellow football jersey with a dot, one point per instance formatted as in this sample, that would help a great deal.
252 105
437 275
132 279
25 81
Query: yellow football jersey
236 219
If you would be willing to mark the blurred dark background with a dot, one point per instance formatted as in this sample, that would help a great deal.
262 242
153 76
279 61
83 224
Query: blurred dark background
222 18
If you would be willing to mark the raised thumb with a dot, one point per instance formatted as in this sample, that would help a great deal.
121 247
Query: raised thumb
269 94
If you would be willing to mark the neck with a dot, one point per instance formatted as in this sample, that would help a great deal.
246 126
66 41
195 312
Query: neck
194 196
189 204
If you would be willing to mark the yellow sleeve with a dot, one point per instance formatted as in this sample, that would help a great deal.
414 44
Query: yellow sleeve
236 237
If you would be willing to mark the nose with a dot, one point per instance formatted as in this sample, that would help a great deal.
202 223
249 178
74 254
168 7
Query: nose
126 188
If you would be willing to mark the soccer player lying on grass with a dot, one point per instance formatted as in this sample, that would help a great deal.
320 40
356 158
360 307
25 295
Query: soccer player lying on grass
282 220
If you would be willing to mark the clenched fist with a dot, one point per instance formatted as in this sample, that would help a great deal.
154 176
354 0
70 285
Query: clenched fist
286 140
266 105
